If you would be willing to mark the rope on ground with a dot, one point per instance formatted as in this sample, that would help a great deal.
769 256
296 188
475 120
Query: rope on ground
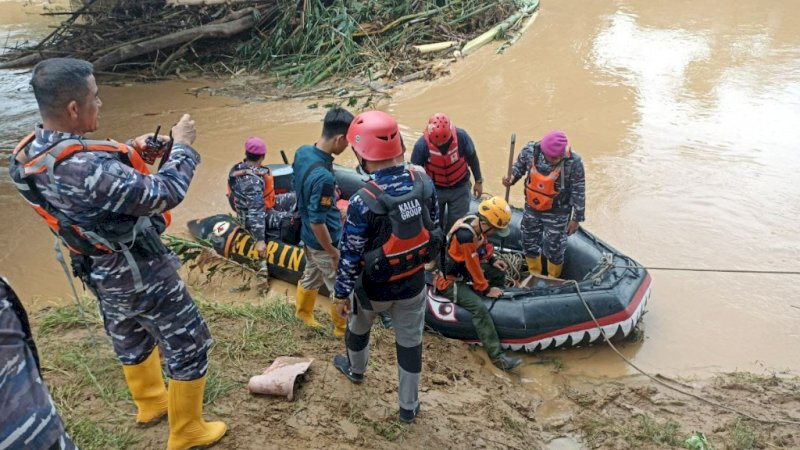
692 269
690 394
81 311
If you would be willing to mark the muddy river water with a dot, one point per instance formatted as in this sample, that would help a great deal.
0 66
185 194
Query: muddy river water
687 115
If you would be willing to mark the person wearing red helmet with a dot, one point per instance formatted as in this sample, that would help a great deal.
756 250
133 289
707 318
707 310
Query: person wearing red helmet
251 194
391 231
448 154
555 199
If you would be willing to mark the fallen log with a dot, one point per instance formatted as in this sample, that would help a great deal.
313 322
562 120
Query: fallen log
133 50
27 60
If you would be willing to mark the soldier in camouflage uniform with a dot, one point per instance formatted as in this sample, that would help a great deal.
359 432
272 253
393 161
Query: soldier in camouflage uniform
144 303
251 193
555 199
396 213
28 418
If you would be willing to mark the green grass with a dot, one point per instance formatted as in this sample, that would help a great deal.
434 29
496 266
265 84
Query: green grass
262 331
89 373
218 386
68 317
741 436
90 435
642 429
666 432
88 366
277 310
392 431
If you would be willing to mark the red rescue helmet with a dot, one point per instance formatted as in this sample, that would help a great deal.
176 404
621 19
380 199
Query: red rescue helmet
374 136
439 129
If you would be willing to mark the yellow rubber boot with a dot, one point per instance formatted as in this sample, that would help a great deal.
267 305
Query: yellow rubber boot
304 305
553 269
339 323
534 265
187 429
147 389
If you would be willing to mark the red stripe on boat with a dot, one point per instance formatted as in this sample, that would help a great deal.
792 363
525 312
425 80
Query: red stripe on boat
607 320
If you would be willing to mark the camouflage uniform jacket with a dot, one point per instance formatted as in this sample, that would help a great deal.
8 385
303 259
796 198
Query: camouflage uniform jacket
573 197
28 418
247 196
92 187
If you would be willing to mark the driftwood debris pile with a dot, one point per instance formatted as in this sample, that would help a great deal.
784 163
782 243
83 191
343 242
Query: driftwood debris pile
306 41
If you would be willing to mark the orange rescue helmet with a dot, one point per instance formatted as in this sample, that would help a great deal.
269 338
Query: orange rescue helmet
496 212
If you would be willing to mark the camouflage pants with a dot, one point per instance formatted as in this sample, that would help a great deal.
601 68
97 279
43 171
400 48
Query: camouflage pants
284 207
546 233
163 314
28 418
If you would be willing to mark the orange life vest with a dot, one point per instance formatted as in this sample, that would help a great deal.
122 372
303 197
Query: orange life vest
269 187
448 168
78 239
540 189
469 254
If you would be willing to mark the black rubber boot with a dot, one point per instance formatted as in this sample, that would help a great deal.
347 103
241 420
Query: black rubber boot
343 364
386 319
407 415
507 363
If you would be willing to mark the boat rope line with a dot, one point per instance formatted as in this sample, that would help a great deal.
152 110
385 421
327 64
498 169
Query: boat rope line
81 311
693 269
661 382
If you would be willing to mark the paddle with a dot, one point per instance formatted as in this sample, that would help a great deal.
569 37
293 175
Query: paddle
510 164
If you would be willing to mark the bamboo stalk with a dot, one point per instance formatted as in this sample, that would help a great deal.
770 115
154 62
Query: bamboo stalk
396 22
475 12
489 36
435 47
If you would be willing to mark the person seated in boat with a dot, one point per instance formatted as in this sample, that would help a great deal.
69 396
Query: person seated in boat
469 257
251 194
448 155
555 200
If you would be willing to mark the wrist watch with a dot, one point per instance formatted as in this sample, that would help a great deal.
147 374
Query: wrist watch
479 181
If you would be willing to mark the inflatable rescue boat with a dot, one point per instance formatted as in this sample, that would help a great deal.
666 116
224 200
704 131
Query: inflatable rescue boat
544 314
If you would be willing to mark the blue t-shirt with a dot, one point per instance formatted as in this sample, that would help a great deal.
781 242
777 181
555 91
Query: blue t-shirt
316 199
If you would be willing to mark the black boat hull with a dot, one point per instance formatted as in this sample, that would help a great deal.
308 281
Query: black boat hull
614 286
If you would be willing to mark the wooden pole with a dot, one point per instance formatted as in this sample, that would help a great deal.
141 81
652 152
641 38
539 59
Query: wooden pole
510 162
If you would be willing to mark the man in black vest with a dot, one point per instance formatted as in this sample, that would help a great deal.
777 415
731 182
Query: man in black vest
391 231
